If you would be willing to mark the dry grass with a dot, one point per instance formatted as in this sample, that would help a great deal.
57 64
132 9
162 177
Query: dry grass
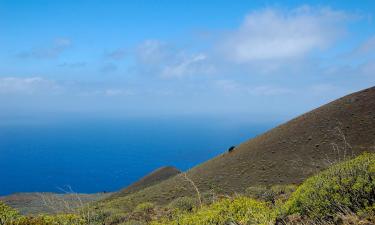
50 203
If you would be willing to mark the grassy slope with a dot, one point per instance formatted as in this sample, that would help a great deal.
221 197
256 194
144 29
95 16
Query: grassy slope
32 203
150 179
286 154
345 191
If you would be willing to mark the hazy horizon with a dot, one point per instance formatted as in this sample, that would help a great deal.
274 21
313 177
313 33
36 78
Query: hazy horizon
178 58
78 78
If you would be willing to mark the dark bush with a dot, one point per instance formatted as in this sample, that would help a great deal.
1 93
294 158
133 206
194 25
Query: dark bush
231 148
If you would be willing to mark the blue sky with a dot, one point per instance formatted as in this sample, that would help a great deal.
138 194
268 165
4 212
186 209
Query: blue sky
150 58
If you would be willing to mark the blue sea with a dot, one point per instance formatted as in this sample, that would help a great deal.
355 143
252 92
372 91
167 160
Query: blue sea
96 154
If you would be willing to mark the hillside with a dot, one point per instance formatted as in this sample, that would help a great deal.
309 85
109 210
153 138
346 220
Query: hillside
286 154
35 203
150 179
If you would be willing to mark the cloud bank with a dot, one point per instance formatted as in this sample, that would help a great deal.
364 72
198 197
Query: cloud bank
28 85
50 52
273 60
271 34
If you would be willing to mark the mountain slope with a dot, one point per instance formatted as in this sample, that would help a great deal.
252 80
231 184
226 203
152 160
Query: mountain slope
288 153
37 202
150 179
293 151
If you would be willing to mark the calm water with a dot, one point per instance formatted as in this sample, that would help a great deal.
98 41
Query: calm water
93 155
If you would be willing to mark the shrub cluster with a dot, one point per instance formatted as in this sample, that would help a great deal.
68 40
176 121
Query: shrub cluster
146 207
241 210
62 219
185 204
10 216
342 191
270 194
347 186
7 214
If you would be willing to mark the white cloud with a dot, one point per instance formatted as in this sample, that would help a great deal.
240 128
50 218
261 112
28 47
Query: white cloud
367 47
106 92
72 64
41 86
231 86
30 85
167 61
269 41
53 51
269 91
194 64
275 34
152 52
117 54
322 88
227 85
118 92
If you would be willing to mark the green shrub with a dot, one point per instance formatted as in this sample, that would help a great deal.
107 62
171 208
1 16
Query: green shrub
283 189
270 194
186 204
10 216
260 192
368 213
256 192
349 185
281 193
145 207
133 222
241 210
63 219
116 218
7 214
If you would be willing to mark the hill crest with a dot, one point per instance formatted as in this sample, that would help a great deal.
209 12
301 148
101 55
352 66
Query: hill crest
156 176
286 154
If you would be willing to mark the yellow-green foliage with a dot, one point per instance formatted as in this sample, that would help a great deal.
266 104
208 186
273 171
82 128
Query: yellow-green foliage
113 218
63 219
145 207
270 194
7 214
368 213
349 185
133 222
10 216
283 189
183 204
241 210
257 192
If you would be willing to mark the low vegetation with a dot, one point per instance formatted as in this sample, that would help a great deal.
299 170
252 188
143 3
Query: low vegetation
50 203
240 210
341 194
347 186
7 214
10 216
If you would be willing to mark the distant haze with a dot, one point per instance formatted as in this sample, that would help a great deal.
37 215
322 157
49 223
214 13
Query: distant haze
95 93
277 58
94 155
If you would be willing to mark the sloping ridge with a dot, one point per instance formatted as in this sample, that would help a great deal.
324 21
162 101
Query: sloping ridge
288 153
38 202
150 179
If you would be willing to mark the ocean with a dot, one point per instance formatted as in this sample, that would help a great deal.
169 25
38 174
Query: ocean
96 154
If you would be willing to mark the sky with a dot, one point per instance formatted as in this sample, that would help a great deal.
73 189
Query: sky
260 59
